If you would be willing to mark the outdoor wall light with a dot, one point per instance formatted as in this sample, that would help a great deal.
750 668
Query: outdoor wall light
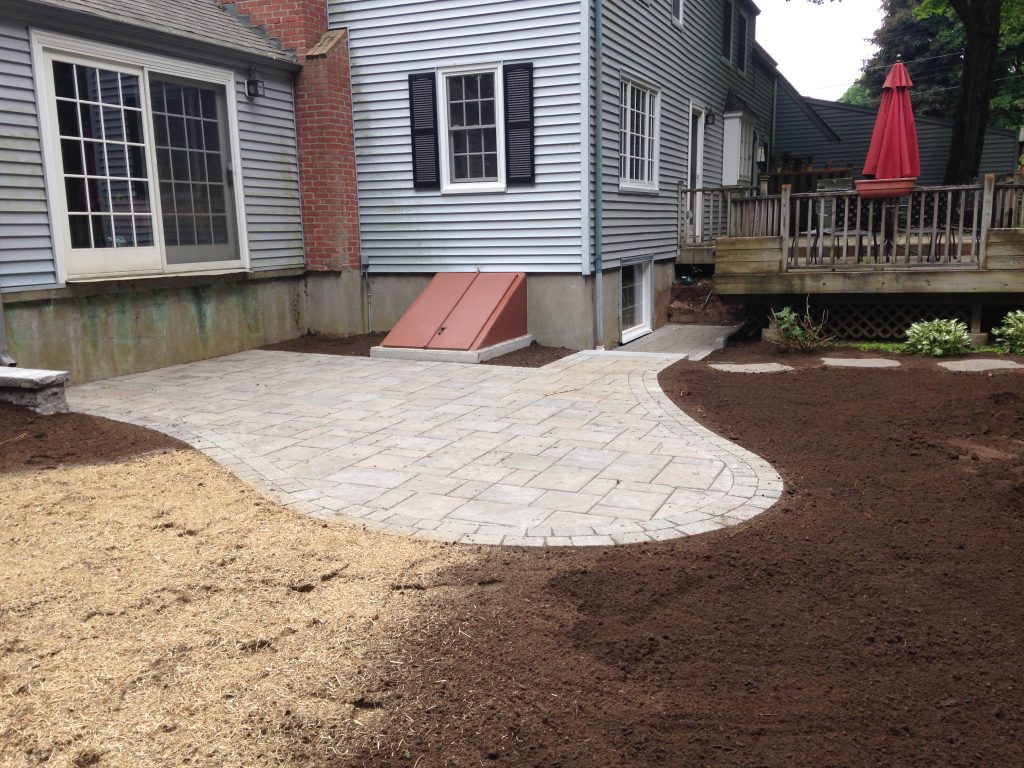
710 119
254 87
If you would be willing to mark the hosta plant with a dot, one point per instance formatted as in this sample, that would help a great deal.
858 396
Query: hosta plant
1010 335
938 338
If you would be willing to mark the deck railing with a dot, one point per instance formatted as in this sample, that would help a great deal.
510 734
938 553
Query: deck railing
704 212
933 227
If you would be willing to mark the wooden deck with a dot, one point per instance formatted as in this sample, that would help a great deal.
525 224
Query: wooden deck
956 240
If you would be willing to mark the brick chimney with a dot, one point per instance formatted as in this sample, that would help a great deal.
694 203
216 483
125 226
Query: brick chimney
323 114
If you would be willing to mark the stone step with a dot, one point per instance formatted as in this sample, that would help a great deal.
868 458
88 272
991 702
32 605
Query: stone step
40 390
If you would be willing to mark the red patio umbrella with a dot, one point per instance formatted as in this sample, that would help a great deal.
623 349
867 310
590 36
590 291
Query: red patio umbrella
893 153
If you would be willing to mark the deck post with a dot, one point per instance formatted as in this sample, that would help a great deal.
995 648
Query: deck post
729 219
787 190
679 219
988 198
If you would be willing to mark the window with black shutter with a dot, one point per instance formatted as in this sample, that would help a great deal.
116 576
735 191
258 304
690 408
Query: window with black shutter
473 128
519 147
423 116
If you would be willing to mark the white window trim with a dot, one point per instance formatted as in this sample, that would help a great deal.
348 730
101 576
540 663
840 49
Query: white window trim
629 185
444 139
46 45
735 125
645 326
678 17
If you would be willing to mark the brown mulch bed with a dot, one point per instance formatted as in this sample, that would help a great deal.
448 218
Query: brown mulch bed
871 618
533 356
31 441
321 344
756 351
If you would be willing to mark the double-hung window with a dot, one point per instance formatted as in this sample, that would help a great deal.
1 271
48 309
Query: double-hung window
140 161
677 10
638 137
472 128
472 135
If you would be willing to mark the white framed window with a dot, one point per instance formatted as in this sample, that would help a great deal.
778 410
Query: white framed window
635 299
738 164
677 10
471 124
141 155
638 137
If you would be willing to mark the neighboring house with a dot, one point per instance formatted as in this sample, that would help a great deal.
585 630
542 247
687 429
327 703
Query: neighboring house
475 136
150 206
840 134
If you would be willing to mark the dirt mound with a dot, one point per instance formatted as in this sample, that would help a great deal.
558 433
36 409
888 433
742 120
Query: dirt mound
31 441
698 303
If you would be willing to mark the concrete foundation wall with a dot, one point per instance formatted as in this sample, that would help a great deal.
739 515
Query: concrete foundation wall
103 330
561 310
391 295
334 303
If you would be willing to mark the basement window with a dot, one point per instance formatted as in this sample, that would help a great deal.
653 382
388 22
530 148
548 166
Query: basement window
140 159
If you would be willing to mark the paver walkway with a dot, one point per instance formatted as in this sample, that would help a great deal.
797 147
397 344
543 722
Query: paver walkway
689 340
586 451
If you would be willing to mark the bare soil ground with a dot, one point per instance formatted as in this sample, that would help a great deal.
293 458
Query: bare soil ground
698 303
533 356
158 612
871 618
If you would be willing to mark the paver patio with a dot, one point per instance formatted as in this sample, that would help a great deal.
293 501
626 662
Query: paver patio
585 451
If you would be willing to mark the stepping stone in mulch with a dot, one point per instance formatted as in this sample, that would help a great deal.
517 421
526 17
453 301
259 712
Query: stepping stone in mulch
751 367
976 366
859 362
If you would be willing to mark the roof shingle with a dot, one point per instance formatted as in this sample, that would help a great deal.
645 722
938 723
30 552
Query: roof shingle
199 20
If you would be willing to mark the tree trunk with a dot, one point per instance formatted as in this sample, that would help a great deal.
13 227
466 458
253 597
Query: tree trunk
981 23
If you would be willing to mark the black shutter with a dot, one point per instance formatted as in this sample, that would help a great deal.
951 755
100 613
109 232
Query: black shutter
423 116
519 123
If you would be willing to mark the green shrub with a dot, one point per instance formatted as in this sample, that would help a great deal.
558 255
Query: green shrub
799 333
938 338
1010 335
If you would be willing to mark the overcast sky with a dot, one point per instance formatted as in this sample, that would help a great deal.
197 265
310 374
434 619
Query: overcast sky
819 47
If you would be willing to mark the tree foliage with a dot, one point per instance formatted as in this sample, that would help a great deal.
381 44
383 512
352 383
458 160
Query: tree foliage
985 68
931 38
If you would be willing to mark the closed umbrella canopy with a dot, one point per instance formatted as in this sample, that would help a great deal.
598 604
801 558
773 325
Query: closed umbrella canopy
893 153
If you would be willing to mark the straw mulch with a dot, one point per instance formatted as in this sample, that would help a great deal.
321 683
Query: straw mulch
158 611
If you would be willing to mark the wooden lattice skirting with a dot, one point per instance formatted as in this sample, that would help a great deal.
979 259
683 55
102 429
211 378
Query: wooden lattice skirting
884 322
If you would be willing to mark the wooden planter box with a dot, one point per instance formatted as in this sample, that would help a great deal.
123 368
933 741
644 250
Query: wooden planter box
874 188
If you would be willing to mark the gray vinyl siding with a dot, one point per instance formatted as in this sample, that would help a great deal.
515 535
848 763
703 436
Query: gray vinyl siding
643 42
854 125
797 134
534 228
26 249
270 171
266 135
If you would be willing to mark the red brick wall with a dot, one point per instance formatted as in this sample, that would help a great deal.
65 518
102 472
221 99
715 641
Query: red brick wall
323 113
